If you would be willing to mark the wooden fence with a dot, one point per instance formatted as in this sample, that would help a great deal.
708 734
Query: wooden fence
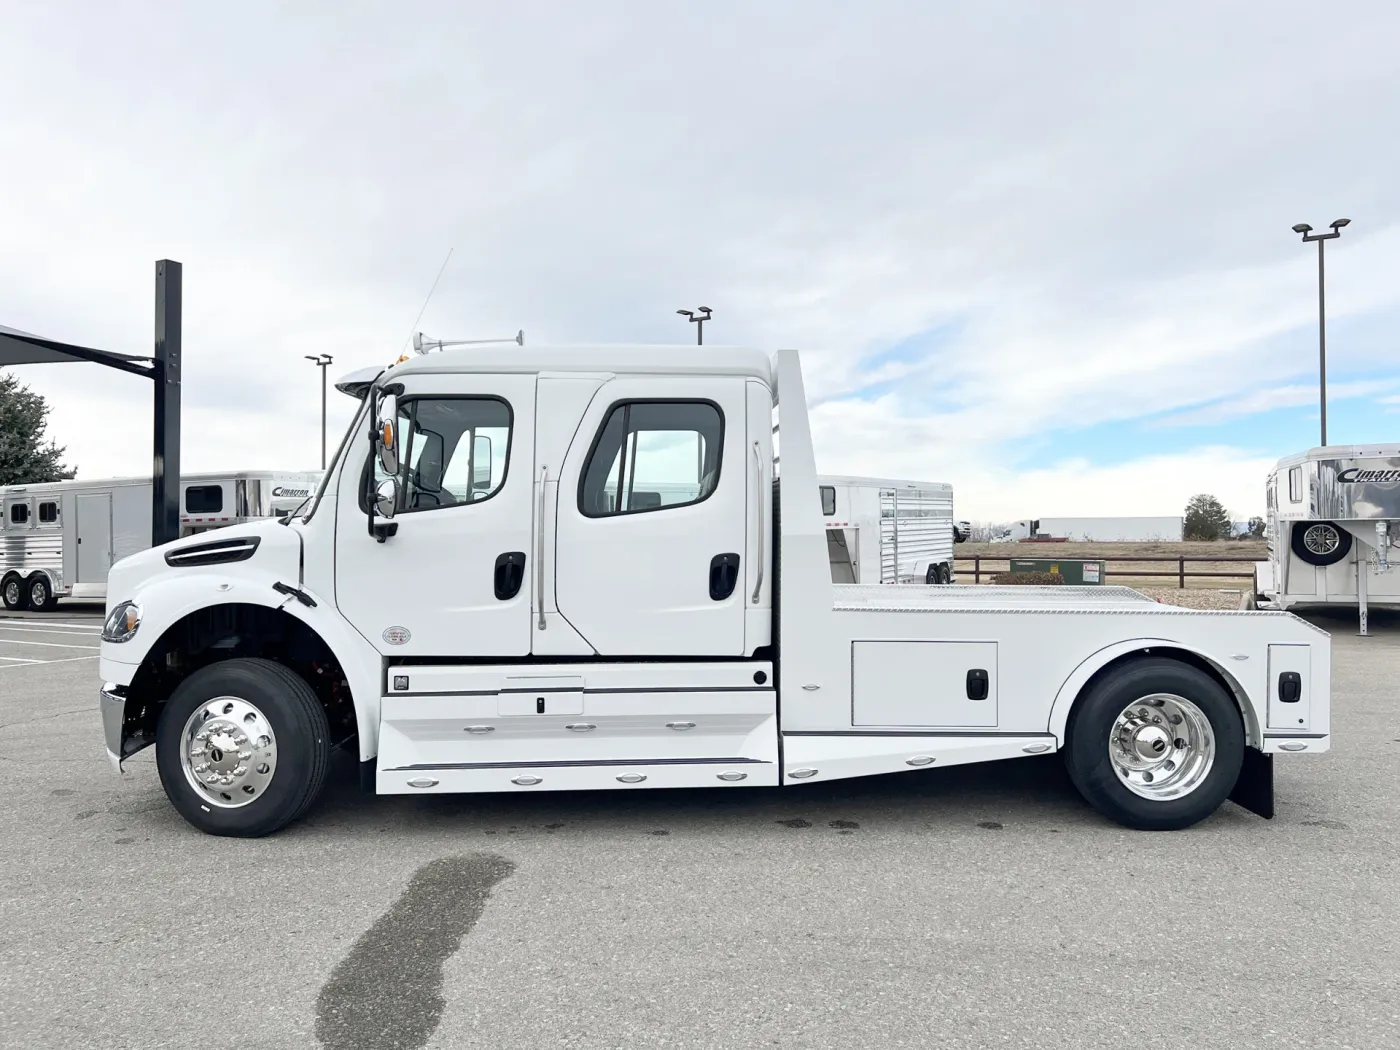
1181 573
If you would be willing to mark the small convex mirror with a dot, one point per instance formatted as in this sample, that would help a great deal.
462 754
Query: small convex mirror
386 497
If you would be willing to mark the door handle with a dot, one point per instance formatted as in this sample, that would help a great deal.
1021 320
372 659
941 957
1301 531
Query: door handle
724 574
510 574
977 684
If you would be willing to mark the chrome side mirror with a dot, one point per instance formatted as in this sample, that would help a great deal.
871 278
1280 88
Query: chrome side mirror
386 497
386 438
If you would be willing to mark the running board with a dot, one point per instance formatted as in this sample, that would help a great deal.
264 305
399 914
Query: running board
588 775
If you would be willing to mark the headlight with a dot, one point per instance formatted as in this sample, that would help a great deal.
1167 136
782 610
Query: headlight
122 623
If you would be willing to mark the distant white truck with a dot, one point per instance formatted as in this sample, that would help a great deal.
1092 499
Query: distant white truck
883 530
519 622
1333 518
58 540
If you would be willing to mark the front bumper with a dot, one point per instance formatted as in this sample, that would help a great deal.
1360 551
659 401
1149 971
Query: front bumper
113 705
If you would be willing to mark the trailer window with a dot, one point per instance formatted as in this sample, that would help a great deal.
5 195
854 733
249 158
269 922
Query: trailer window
48 512
19 513
204 499
652 455
828 500
1295 484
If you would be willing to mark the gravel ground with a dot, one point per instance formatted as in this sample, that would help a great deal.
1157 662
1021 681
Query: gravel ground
1198 599
981 906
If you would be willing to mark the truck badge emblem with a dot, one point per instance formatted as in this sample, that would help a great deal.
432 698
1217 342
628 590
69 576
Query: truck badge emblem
396 635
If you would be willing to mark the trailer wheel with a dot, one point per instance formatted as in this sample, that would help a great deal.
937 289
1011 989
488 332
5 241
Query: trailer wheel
1155 745
12 592
1320 542
242 748
40 594
933 576
947 572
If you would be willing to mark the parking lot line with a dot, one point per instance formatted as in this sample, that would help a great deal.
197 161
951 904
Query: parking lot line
46 645
65 631
19 660
94 626
45 663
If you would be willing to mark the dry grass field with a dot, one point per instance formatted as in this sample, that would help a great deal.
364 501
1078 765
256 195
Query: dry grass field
1122 565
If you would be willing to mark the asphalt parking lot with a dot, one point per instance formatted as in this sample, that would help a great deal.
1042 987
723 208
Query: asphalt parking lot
981 906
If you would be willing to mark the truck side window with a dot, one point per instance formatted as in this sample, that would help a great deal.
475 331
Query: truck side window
652 455
828 500
455 450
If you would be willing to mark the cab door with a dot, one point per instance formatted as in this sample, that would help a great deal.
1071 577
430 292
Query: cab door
651 539
454 578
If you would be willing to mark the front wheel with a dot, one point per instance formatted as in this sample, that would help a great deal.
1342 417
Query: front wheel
1156 745
242 748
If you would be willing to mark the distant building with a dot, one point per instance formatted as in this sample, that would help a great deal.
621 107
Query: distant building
1101 530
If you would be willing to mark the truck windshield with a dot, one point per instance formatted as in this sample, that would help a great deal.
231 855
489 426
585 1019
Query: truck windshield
356 426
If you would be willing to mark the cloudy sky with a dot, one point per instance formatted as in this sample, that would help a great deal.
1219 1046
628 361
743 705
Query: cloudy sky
1040 251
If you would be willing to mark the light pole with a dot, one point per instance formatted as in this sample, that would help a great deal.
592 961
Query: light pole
1308 235
322 361
697 317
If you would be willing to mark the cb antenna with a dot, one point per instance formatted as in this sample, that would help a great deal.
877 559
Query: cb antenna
414 327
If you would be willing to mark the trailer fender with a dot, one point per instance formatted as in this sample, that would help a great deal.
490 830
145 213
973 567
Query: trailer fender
1080 677
168 601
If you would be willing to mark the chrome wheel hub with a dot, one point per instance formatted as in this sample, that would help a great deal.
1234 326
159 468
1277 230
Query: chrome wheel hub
37 595
1321 539
228 752
12 592
1162 746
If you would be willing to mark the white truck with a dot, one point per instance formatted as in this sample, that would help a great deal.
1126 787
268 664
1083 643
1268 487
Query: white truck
1333 519
58 539
883 530
523 625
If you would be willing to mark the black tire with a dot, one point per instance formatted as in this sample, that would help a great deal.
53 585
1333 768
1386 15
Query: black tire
945 572
303 746
39 592
932 575
1090 725
14 593
1323 530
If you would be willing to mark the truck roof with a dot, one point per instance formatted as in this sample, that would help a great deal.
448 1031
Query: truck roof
673 359
884 483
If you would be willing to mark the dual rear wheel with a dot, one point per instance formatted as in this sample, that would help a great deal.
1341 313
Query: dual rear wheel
20 594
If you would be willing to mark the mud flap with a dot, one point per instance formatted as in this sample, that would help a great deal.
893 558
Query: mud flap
1254 790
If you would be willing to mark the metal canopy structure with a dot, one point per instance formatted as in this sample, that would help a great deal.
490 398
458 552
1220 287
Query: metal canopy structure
162 368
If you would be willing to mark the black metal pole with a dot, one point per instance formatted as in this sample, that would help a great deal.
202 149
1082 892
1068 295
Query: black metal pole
165 466
700 331
1322 336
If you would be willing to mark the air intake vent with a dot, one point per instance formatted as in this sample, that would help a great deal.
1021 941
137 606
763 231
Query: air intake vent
218 552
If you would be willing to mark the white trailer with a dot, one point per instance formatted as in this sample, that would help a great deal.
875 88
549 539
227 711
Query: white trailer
882 530
536 629
1333 515
1113 529
58 540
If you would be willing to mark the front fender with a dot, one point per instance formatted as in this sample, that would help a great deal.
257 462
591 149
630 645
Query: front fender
165 602
1073 685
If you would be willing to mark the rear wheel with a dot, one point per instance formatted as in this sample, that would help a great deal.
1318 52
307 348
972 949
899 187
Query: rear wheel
12 592
242 748
1155 745
41 597
946 572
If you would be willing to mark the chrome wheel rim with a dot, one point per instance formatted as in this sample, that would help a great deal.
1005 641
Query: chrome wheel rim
1321 539
12 592
1162 747
228 752
38 593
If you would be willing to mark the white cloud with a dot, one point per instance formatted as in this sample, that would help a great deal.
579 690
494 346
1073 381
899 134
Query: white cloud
1292 396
